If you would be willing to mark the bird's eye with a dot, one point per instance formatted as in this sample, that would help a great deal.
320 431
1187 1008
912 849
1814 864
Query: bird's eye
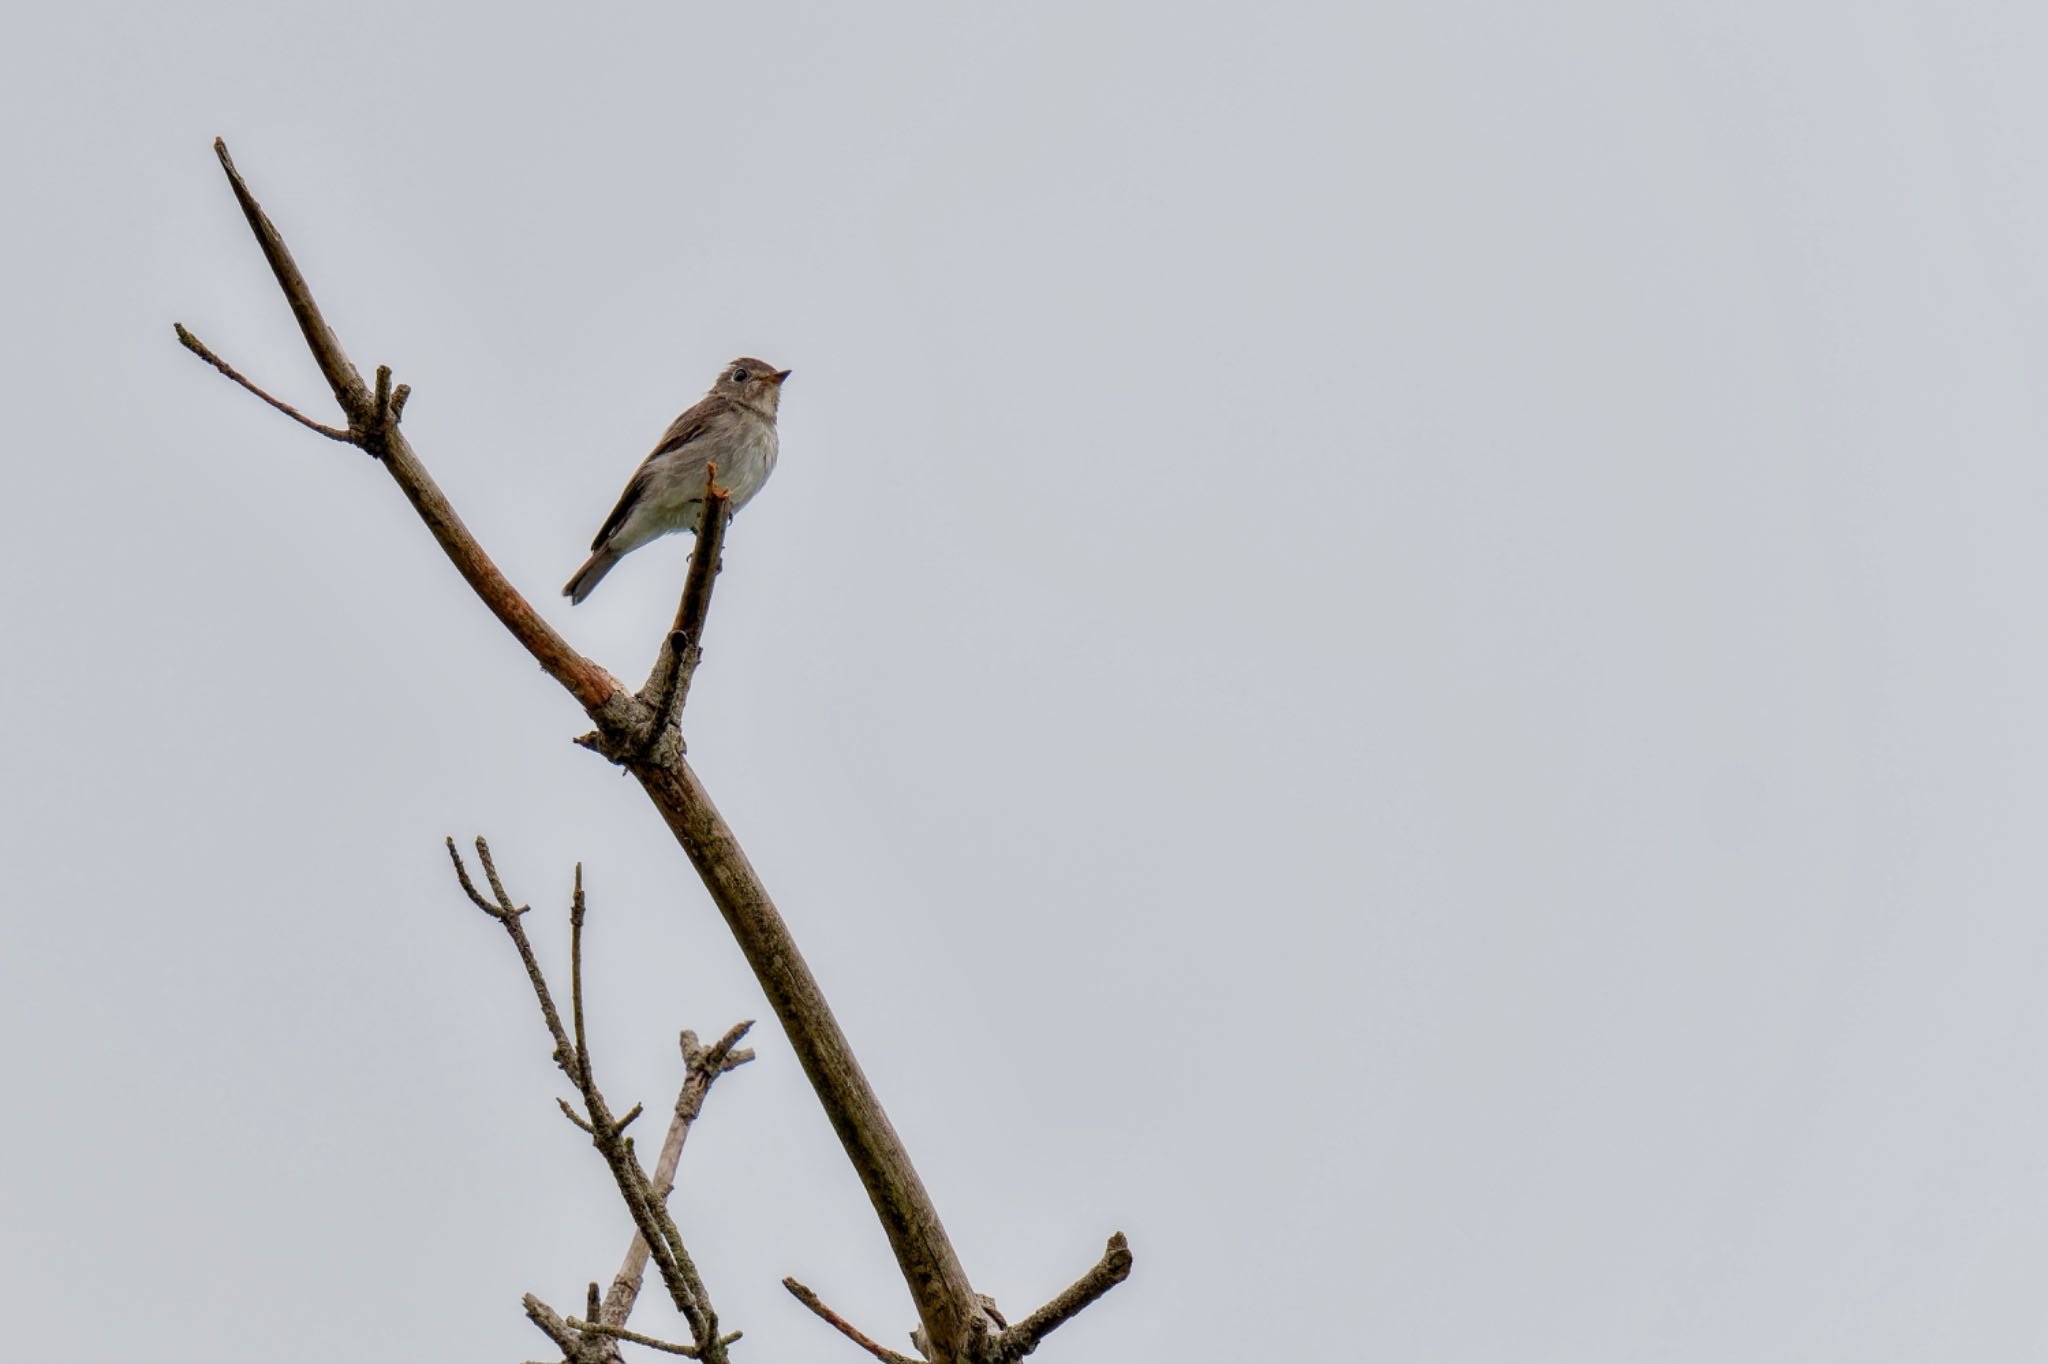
739 376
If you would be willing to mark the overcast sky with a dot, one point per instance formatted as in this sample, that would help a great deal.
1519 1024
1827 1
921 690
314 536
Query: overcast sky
1397 648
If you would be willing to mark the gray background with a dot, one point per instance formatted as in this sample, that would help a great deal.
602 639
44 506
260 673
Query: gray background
1396 648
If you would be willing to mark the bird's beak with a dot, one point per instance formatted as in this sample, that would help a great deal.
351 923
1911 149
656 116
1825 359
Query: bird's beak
782 374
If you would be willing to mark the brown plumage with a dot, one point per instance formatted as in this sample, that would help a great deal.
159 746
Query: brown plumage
732 426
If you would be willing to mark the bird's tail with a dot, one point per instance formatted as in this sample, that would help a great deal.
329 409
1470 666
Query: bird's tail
589 576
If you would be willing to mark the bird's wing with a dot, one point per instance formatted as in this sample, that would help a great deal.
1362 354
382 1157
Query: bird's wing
684 429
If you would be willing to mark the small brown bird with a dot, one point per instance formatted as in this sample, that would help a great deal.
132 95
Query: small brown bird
733 426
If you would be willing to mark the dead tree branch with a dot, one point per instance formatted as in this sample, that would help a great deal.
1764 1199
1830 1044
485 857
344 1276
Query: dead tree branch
374 428
550 1324
843 1326
701 1066
341 375
599 1328
668 684
198 348
647 1206
949 1310
1111 1270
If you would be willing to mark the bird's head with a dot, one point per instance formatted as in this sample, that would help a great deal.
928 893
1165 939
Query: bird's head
756 383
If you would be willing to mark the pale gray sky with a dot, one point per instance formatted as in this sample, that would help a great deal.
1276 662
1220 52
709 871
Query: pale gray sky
1397 648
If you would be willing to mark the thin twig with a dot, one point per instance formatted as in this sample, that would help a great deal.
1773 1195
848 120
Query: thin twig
334 363
199 348
468 887
507 914
599 1328
483 855
650 1215
1111 1270
668 685
723 1055
576 972
701 1066
843 1326
600 694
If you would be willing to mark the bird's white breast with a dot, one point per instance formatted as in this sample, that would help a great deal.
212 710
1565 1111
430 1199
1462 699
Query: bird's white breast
753 459
744 450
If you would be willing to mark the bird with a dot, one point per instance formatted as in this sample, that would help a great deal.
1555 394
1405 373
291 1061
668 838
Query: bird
733 427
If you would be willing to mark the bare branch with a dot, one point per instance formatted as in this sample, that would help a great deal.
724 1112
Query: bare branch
947 1304
507 914
843 1326
576 910
377 432
724 1054
599 1328
668 685
469 889
651 1220
551 1324
320 338
948 1307
700 1069
483 855
198 348
1111 1270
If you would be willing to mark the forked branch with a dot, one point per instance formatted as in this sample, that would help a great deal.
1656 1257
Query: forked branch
646 1203
335 366
701 1066
632 731
373 426
1007 1343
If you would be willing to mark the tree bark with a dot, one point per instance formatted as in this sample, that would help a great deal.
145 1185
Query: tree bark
631 730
